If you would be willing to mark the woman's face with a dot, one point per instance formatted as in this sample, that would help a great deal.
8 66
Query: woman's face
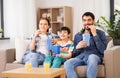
43 25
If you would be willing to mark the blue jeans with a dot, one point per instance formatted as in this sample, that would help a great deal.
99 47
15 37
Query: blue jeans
92 66
36 58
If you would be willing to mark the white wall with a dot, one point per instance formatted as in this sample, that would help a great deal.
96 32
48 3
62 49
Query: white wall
98 7
117 4
19 18
20 15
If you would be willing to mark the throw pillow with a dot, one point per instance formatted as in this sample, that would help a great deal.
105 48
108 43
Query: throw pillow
20 46
110 44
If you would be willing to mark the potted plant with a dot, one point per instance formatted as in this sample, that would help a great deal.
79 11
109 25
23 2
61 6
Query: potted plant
1 33
112 28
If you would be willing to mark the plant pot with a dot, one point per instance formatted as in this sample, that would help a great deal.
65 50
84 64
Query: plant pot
116 42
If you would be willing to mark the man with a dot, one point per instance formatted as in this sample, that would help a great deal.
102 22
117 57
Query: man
90 55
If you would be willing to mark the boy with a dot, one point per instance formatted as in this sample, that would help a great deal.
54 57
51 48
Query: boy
66 48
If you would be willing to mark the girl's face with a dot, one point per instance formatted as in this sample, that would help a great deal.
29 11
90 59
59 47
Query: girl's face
43 25
64 34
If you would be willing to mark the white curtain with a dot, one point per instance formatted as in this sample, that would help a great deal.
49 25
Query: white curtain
19 18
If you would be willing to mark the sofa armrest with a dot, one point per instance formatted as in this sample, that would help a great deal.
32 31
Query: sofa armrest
6 56
112 62
2 60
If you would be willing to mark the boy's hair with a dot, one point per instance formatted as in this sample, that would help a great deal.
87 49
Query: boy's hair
89 14
65 28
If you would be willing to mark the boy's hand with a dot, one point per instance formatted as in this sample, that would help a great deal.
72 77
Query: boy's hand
65 49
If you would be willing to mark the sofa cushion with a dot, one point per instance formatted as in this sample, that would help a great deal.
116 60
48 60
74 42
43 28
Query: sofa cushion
20 46
81 71
10 66
110 44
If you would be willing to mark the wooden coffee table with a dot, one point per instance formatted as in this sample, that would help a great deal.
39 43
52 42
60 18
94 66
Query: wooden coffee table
34 73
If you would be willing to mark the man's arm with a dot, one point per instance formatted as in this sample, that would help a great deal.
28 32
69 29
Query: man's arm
77 39
100 41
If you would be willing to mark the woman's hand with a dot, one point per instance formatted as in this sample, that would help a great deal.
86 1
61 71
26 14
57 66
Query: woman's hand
37 33
54 40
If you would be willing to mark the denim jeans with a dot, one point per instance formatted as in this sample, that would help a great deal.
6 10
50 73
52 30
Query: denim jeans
36 58
92 66
55 62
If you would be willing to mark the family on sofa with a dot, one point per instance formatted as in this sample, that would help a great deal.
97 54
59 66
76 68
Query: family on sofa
84 55
88 49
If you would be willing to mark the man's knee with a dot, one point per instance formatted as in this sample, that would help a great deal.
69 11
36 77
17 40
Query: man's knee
93 59
67 63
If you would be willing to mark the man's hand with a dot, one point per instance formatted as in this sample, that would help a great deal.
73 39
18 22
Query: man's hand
93 30
81 44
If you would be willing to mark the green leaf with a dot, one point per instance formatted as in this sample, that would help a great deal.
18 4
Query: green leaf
1 30
107 22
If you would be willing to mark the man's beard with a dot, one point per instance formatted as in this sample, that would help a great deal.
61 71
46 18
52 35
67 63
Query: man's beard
86 28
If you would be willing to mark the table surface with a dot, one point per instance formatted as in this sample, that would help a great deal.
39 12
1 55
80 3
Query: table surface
34 72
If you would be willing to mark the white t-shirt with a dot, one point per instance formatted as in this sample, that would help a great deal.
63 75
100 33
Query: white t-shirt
42 46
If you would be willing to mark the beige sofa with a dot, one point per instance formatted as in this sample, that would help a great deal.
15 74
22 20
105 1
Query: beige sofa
109 69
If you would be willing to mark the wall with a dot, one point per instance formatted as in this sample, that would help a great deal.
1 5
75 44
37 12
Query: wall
19 18
20 15
98 7
117 4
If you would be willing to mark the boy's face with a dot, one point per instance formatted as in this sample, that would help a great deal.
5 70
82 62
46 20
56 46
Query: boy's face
64 34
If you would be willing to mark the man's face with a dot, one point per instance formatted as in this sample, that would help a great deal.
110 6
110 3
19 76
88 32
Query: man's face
87 21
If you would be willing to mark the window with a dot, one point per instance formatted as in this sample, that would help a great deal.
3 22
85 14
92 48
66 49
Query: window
1 17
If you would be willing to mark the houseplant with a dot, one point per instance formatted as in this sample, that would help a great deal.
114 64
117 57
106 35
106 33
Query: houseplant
1 33
1 30
112 28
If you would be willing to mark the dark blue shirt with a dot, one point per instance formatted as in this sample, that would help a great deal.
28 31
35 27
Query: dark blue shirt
97 45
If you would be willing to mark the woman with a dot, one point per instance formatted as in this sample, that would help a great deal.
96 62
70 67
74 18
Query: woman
40 45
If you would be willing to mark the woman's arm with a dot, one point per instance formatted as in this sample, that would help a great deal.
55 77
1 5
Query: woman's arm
32 45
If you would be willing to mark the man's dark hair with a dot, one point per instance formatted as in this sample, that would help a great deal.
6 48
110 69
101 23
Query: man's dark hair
88 14
65 28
